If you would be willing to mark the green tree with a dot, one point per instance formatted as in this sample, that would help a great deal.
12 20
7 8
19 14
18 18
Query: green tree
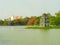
57 14
5 22
37 21
57 18
1 22
51 18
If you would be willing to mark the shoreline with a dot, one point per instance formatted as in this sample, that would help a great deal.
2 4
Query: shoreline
38 27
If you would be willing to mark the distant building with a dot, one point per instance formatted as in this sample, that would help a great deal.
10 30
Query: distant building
44 21
12 18
18 17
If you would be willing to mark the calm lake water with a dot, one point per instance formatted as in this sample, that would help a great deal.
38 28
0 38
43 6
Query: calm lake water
17 35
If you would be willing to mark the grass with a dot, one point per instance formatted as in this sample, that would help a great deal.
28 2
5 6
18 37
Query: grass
38 27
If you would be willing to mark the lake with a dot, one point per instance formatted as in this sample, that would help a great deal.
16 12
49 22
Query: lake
17 35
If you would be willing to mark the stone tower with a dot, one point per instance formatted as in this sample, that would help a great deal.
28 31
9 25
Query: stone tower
44 21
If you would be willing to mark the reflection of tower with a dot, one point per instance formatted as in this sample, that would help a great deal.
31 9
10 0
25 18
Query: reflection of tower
44 21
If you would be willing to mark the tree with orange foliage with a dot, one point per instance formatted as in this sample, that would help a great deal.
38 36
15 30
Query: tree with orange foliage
31 21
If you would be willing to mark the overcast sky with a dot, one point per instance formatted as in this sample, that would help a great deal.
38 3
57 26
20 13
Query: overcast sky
27 7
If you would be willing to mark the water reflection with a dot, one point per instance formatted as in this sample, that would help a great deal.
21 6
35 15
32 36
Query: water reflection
16 35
